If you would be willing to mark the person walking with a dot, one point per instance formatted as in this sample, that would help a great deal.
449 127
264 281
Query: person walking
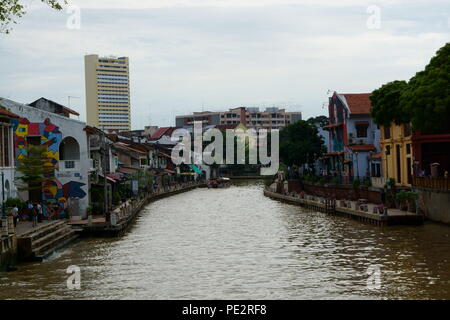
34 216
15 213
39 211
30 210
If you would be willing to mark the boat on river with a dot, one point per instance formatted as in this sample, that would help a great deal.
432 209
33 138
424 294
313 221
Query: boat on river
219 183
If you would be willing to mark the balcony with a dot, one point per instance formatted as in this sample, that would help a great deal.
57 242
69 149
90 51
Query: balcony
378 182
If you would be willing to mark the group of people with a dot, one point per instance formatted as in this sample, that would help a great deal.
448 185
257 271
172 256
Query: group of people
38 211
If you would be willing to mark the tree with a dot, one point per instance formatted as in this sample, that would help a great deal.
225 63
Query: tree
11 10
386 104
321 120
300 144
35 168
427 96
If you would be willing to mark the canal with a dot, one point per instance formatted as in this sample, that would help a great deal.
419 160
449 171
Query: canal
236 244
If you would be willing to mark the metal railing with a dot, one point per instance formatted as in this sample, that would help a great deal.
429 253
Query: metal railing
432 183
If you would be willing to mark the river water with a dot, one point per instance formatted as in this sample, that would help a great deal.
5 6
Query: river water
237 244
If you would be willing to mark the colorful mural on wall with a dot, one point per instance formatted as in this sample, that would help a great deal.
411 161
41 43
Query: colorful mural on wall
50 136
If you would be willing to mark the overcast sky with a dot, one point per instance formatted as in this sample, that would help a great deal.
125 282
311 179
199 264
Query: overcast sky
186 55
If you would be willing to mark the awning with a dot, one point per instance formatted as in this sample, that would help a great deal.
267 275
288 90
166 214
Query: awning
332 125
362 147
127 170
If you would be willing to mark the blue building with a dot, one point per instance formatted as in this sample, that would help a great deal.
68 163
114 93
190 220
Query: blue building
353 150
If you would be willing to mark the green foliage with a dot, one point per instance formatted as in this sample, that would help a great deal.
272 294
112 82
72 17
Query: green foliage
356 183
412 196
13 202
116 197
367 183
424 100
386 104
11 10
335 181
321 120
390 184
427 97
35 168
300 144
402 196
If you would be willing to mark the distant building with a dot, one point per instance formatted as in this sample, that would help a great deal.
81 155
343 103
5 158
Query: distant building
270 118
353 137
108 93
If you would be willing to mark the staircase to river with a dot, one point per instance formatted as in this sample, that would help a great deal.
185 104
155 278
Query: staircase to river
40 242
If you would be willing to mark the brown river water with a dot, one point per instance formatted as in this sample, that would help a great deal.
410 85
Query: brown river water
237 244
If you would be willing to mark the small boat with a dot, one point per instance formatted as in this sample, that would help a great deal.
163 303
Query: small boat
219 183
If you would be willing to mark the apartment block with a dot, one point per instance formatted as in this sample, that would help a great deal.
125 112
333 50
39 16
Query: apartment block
108 93
270 118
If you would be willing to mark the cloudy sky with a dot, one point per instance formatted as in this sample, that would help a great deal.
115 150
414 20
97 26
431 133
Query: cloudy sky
186 55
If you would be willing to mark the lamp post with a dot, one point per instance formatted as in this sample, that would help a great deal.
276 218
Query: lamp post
3 196
387 171
357 165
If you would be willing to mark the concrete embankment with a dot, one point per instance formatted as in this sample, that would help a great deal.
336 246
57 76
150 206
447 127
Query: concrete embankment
8 252
350 209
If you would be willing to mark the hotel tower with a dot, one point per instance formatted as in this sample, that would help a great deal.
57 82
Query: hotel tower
107 93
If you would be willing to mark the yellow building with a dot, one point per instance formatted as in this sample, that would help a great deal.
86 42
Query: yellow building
107 93
397 159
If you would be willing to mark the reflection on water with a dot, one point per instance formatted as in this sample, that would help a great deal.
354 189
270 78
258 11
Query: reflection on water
236 244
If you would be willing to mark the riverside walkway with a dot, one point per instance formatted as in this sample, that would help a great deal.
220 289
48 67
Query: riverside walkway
351 209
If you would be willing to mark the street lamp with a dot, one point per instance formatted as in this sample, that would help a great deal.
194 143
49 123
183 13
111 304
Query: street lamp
387 171
3 196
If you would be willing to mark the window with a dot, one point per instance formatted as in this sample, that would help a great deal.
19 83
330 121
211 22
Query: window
361 131
69 164
408 148
5 146
387 132
69 149
407 130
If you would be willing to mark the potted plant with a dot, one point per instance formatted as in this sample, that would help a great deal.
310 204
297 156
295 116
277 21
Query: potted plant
402 200
411 201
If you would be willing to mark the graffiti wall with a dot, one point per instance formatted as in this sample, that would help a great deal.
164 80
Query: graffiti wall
49 135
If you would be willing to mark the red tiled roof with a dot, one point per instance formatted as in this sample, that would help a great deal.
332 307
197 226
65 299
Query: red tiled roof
7 114
376 156
159 133
359 103
362 147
